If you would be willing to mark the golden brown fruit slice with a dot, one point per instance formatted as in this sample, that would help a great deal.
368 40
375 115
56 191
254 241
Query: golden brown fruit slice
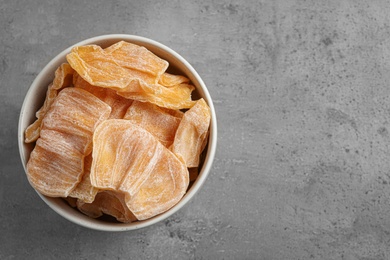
62 79
110 203
84 191
56 164
98 67
138 58
176 97
128 158
191 134
163 189
160 122
170 80
118 104
123 154
109 69
101 68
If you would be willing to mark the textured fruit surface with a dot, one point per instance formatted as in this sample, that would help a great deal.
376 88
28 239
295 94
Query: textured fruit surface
56 164
163 189
84 191
160 122
123 154
176 97
128 158
170 80
137 58
62 79
191 134
97 67
118 104
133 72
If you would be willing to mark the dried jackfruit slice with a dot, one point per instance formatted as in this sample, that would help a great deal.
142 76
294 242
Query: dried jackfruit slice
77 112
98 67
62 79
56 164
176 97
110 203
84 191
122 151
106 69
191 134
138 58
170 80
160 122
128 158
55 167
118 104
163 189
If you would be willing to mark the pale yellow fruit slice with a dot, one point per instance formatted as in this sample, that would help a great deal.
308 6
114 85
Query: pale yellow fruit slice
97 67
170 80
137 58
124 154
163 189
118 104
128 158
175 97
62 79
160 122
191 134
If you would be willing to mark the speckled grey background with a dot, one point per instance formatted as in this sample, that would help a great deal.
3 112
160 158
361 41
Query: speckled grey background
302 93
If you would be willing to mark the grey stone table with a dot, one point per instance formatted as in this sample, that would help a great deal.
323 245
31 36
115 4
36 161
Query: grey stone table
302 93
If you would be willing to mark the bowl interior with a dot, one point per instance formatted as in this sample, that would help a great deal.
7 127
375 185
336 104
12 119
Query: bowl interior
36 95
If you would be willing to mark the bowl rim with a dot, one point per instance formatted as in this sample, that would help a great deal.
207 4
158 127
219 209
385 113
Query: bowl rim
85 221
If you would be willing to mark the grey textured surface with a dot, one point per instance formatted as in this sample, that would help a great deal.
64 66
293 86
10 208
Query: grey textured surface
301 90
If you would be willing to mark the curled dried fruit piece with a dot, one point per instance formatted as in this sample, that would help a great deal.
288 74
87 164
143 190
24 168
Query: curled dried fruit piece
160 122
77 112
56 164
170 80
137 58
176 97
62 79
97 67
163 189
110 68
84 191
128 158
110 203
191 134
118 104
123 154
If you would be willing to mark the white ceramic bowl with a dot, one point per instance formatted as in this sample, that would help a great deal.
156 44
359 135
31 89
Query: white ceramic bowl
36 95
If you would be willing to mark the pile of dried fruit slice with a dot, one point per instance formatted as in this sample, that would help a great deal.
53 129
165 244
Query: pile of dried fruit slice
117 133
